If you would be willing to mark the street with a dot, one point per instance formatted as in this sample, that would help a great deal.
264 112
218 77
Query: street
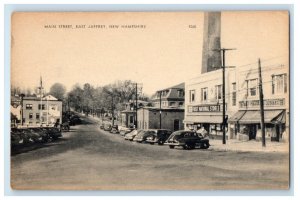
88 158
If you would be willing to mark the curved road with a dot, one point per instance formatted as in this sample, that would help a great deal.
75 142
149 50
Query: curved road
88 158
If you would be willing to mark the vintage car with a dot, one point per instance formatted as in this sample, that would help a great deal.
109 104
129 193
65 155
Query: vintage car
102 126
159 136
187 140
107 127
114 129
130 136
125 131
142 136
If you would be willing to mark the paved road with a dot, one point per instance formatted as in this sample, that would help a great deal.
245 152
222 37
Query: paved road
89 158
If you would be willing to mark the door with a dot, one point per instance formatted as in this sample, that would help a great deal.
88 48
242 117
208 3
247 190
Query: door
252 132
176 125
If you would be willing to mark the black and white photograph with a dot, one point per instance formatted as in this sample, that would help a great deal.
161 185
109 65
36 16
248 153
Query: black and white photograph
145 101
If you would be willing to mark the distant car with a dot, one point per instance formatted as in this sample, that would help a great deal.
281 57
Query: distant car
114 129
125 131
187 140
159 136
101 126
130 136
107 127
74 120
142 136
54 133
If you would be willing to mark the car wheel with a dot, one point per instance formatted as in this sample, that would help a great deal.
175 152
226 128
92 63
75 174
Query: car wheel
205 145
160 142
171 146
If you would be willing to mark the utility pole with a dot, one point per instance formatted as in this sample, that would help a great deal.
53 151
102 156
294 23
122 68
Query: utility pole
136 105
223 50
41 98
160 109
112 109
22 98
261 103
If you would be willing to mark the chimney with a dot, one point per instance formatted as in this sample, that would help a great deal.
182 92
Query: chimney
211 60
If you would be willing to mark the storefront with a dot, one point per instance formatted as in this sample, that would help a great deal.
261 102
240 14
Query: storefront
208 116
246 124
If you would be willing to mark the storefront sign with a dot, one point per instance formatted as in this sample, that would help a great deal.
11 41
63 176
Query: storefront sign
206 108
267 103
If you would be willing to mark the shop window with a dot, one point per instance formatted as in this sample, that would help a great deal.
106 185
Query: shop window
204 93
218 92
252 87
279 84
192 96
28 106
233 94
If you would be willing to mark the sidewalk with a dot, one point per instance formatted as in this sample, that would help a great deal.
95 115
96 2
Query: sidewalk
246 146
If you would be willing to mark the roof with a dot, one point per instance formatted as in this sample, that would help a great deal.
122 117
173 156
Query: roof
178 86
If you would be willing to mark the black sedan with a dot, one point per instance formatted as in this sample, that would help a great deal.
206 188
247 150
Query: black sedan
187 140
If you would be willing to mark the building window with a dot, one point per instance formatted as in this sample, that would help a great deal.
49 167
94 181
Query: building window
30 115
233 94
37 115
42 107
28 106
180 104
172 103
180 93
252 87
218 92
279 84
204 93
192 95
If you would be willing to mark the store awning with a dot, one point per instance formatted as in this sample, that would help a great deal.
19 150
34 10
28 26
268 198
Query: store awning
253 116
211 119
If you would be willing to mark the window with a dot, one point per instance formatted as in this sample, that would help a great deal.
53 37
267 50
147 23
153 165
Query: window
180 93
30 115
192 95
37 115
172 103
279 84
28 106
204 93
252 87
233 94
218 92
43 106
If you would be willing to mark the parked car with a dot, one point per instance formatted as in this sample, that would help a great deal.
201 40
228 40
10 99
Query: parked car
74 120
187 140
65 126
142 136
54 133
16 137
130 136
107 127
159 136
123 132
114 129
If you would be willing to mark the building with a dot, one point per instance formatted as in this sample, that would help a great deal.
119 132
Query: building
129 113
45 111
167 111
172 97
156 118
246 120
203 101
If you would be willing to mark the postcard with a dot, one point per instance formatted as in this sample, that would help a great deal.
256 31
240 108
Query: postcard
150 100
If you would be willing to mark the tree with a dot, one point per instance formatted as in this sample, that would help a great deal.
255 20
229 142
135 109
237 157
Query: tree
58 90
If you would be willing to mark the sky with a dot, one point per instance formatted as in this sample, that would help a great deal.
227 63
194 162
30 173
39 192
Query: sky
165 52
